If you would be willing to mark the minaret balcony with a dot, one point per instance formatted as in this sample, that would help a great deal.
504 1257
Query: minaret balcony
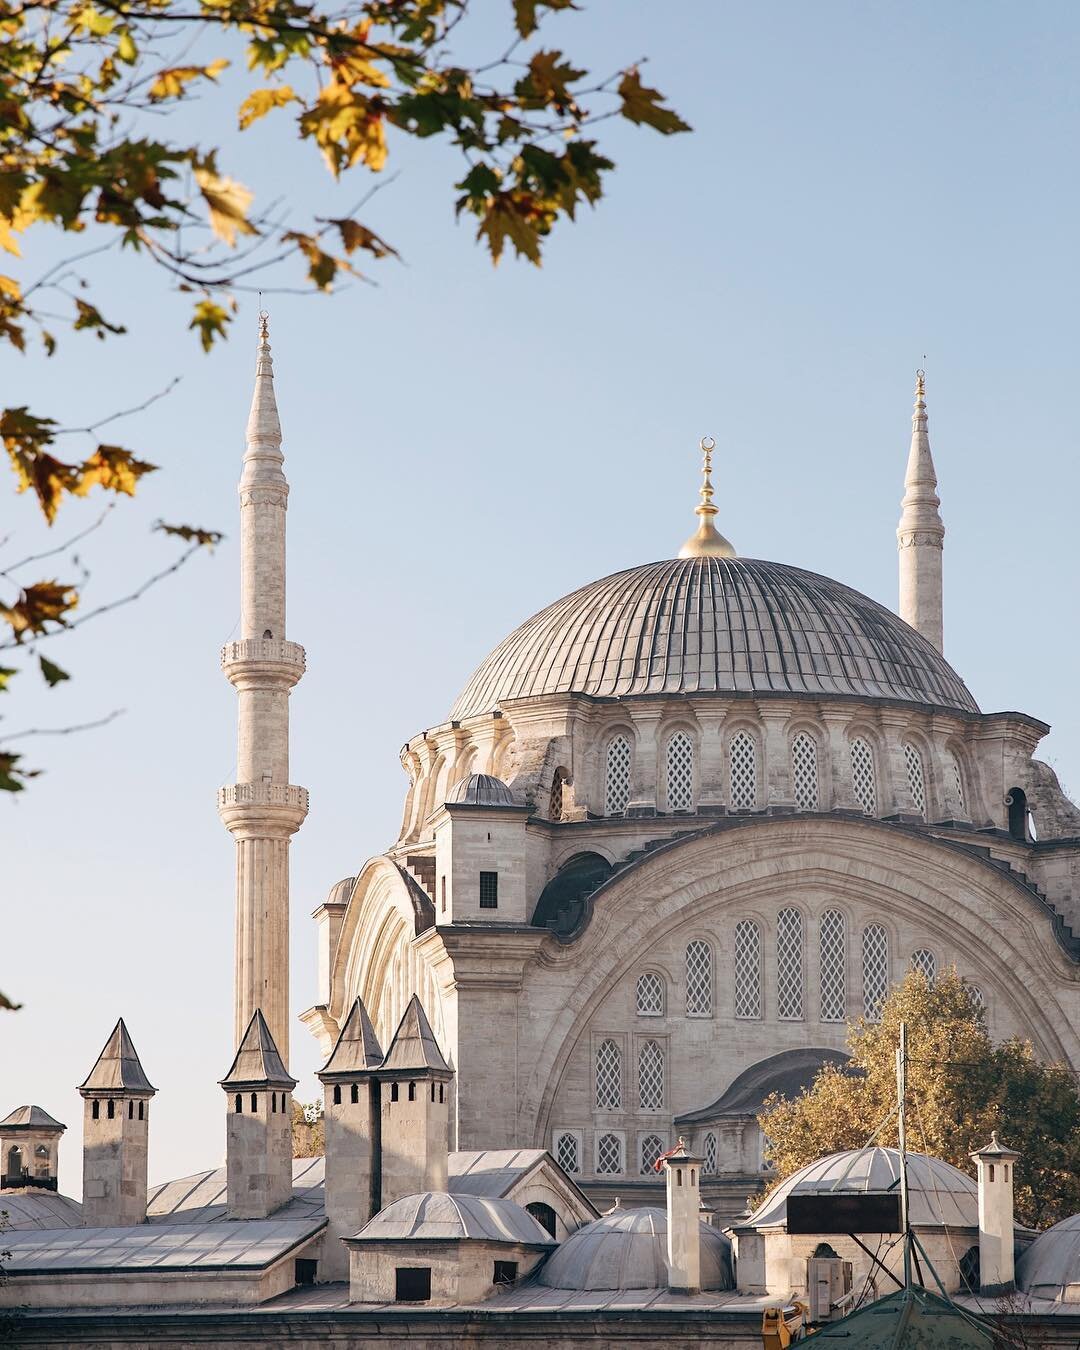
282 805
255 657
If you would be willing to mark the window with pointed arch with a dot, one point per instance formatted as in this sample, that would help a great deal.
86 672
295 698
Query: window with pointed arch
915 777
617 775
608 1076
699 976
925 962
747 970
875 970
789 965
680 772
976 996
568 1150
804 771
709 1151
650 994
651 1076
555 804
743 770
609 1154
953 768
652 1146
833 965
863 776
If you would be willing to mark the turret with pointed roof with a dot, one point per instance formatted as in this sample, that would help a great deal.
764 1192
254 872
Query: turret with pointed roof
258 1135
29 1145
920 535
116 1125
415 1082
356 1050
257 1063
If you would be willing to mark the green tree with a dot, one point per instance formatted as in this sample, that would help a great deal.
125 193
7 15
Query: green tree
961 1087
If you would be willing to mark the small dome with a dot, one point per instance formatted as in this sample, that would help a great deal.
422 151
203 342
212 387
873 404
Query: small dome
940 1194
341 891
627 1249
1052 1261
438 1215
481 789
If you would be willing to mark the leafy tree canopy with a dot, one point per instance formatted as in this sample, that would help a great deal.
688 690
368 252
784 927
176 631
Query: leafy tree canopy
961 1087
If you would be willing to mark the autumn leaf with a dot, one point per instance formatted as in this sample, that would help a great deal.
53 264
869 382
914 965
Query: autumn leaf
322 266
210 320
511 216
191 534
114 469
8 784
261 101
6 674
52 672
39 605
525 19
227 201
354 236
173 81
641 105
547 84
8 242
89 316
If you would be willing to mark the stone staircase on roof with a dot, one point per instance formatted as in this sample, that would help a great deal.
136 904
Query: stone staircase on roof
421 867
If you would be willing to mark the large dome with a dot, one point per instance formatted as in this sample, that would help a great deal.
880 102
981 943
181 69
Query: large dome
715 625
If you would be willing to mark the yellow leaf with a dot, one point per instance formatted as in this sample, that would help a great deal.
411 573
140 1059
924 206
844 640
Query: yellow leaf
259 103
9 286
171 82
228 202
8 241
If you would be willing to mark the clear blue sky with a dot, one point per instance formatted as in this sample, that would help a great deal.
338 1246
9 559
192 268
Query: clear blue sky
866 183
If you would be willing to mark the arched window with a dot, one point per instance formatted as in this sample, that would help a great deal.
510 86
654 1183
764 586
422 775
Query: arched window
710 1155
651 1076
958 780
698 979
747 969
568 1151
925 962
789 965
976 996
833 966
544 1216
1016 801
555 806
609 1154
804 771
608 1076
863 780
915 777
742 757
651 1148
650 994
875 970
680 772
14 1162
617 778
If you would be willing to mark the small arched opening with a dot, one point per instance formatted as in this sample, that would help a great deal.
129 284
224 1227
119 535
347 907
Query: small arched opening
544 1215
14 1167
1017 805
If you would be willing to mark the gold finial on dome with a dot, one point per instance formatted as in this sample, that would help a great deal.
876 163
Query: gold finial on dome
707 541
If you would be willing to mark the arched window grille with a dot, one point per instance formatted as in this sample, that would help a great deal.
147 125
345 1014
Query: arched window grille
742 755
804 771
916 778
698 979
609 1154
833 966
789 965
709 1167
976 995
651 1076
608 1076
875 970
958 780
747 969
555 806
680 772
617 779
651 1148
863 779
925 962
568 1152
650 994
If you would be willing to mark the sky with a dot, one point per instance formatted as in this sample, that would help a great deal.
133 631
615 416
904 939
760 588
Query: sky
868 188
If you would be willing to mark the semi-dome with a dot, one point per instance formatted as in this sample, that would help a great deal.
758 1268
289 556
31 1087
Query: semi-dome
939 1194
715 625
481 789
432 1215
1052 1262
627 1249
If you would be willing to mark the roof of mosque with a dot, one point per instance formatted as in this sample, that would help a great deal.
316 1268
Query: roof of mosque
481 789
1052 1262
715 625
39 1208
440 1216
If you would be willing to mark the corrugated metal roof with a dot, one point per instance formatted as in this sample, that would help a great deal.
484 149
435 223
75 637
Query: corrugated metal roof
439 1216
40 1209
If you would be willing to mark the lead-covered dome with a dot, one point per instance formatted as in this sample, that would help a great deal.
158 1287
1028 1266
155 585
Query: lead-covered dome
715 625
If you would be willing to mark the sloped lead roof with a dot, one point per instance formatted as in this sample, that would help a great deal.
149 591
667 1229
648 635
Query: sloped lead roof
627 1249
715 625
118 1069
257 1063
30 1118
414 1045
357 1049
439 1216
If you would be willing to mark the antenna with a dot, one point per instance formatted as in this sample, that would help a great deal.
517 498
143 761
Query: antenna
901 1110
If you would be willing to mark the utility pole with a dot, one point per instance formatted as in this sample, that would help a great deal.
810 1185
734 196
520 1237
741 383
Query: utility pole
901 1129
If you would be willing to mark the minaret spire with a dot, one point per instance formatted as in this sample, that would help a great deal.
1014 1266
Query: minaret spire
920 535
262 809
707 541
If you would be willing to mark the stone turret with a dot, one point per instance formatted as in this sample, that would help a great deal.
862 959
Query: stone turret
116 1124
351 1122
683 1171
920 535
258 1137
414 1110
996 1167
29 1148
262 809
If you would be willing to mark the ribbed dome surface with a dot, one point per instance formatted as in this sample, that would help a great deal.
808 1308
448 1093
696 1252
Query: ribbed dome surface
705 625
627 1249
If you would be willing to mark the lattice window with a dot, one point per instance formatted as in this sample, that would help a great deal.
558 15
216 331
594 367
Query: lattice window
804 771
609 1154
568 1152
863 780
651 1148
617 781
976 995
747 969
709 1167
555 808
789 965
651 1076
650 994
958 780
925 962
742 755
875 970
698 979
680 772
608 1076
833 966
916 778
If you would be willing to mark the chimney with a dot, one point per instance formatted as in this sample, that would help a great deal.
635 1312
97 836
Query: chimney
683 1217
116 1125
995 1164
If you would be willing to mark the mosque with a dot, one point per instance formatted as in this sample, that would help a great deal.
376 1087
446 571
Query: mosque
676 832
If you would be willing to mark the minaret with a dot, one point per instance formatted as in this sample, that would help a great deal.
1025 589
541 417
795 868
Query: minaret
262 810
921 534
